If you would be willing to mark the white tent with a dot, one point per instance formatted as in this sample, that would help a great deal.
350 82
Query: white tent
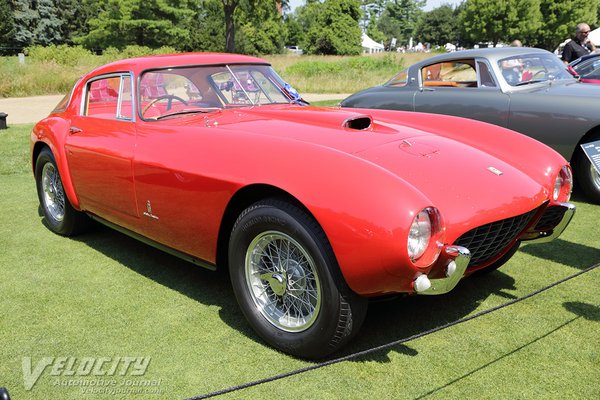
370 46
594 36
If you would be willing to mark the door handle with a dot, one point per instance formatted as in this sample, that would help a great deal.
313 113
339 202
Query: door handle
74 129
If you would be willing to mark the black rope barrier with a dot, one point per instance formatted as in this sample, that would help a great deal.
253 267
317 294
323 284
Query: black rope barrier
387 345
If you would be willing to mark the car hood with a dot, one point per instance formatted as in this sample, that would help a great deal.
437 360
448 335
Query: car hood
468 185
428 152
346 130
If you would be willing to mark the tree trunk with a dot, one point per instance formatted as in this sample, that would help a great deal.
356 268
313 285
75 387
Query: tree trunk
229 7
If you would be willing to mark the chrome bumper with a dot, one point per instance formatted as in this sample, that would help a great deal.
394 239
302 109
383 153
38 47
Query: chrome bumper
459 260
543 237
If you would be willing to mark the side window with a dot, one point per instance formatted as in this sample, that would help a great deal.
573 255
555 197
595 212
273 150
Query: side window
399 80
109 98
450 74
485 77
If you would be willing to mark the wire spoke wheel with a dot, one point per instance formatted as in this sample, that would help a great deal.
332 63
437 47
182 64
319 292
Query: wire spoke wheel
53 193
595 177
283 282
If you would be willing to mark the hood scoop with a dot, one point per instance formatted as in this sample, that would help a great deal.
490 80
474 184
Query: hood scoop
358 122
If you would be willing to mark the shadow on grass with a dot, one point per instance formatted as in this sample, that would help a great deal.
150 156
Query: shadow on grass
199 284
386 321
409 316
585 310
568 253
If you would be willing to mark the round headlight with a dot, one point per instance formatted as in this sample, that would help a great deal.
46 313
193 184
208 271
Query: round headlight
563 184
419 235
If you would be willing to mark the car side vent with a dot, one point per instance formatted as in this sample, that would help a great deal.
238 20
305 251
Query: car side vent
359 123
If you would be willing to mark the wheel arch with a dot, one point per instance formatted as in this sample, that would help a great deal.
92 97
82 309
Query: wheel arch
577 152
241 200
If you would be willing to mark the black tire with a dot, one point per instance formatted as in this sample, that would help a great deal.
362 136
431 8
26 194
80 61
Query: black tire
586 175
331 312
59 215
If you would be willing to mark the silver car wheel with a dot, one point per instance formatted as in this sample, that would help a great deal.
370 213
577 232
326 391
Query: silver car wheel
283 281
53 193
595 177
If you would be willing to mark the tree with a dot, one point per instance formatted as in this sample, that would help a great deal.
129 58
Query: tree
48 28
261 28
25 19
438 26
151 23
501 20
399 19
74 16
332 27
208 27
7 27
560 20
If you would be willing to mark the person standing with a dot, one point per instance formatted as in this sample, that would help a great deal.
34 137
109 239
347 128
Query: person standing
580 45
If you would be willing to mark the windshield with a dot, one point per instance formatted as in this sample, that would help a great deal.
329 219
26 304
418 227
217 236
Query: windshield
589 69
530 68
198 89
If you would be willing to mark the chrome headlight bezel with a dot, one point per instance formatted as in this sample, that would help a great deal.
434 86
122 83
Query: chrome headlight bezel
563 184
425 237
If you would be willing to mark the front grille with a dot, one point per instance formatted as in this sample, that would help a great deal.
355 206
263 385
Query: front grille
552 217
488 241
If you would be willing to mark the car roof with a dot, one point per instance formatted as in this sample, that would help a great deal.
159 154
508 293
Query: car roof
492 54
139 64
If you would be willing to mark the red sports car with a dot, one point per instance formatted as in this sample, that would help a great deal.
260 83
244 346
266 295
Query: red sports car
215 159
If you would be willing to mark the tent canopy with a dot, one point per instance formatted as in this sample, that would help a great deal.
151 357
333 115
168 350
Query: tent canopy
369 45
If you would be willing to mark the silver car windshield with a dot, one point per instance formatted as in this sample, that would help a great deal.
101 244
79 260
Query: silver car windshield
532 68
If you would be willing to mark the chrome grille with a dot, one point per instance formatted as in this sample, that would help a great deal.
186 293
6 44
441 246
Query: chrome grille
488 241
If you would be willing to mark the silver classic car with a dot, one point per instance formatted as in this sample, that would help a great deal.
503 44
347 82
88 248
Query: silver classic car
524 89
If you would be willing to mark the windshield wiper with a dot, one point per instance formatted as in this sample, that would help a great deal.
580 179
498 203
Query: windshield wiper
531 81
203 111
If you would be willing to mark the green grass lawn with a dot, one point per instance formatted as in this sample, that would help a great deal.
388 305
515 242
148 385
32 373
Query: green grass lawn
103 294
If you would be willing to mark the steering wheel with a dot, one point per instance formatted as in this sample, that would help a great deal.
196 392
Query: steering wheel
539 73
170 97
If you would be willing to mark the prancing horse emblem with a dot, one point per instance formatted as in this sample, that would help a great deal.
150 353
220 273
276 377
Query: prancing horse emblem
495 171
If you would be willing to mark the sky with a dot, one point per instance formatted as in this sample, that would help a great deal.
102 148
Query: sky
431 4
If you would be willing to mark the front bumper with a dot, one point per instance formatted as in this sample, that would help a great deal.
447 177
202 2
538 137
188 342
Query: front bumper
455 269
547 234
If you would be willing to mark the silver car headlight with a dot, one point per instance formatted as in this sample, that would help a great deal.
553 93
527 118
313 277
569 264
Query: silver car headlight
563 185
425 237
419 235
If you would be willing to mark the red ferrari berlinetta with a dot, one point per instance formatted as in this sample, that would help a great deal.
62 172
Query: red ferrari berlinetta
313 210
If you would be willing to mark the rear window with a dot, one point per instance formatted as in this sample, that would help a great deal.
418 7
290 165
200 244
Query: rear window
64 102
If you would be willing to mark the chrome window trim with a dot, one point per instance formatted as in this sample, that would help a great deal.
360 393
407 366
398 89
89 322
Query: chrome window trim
121 76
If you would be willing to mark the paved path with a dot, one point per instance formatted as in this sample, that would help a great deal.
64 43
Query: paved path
25 110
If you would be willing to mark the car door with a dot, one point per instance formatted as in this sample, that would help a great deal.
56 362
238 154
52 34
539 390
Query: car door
464 88
100 148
